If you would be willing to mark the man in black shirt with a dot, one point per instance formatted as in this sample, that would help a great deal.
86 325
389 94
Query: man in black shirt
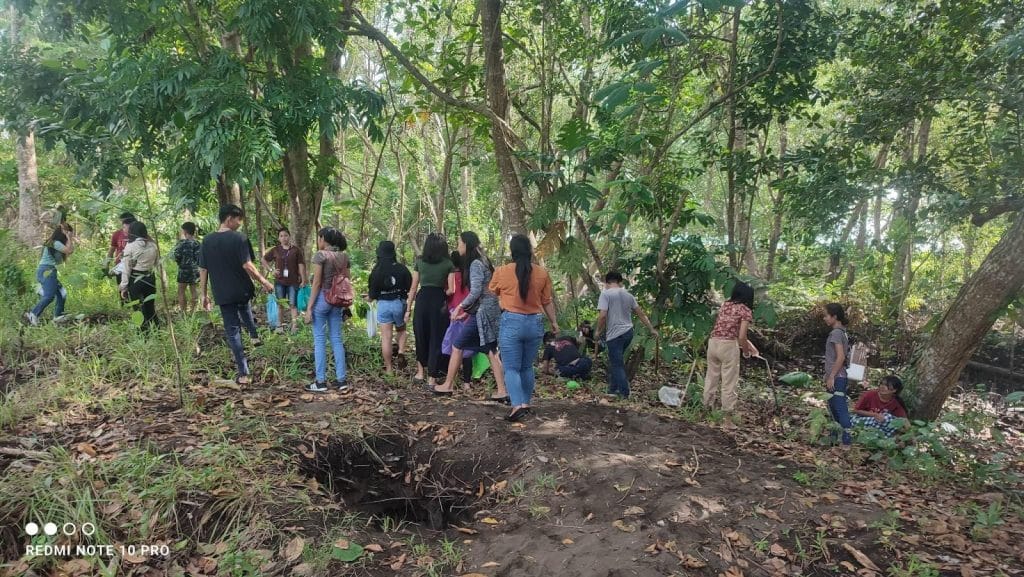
225 259
562 357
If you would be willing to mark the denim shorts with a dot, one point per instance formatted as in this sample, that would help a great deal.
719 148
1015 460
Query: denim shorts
391 312
287 292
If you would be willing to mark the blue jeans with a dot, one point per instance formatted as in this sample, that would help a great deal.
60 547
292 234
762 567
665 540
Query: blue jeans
519 337
581 370
327 318
46 275
840 409
235 316
618 384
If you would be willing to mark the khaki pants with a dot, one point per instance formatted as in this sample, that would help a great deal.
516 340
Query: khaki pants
723 372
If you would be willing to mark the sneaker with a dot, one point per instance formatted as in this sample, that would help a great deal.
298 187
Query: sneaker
31 319
342 386
61 319
316 387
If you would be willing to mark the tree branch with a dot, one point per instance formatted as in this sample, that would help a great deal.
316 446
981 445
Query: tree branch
1002 206
714 104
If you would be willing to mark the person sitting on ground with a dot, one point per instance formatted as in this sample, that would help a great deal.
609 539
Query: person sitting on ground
55 251
879 408
138 279
186 254
388 285
728 340
562 357
289 271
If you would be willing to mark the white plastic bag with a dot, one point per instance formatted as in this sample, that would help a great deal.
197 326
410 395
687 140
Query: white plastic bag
670 396
371 320
858 362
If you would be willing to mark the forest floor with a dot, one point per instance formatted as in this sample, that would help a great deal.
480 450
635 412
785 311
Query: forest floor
390 480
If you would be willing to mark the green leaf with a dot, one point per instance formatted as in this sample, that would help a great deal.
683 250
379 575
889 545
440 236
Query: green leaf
349 555
797 379
673 9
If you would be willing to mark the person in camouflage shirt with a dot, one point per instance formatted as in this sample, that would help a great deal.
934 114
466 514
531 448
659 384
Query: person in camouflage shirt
186 254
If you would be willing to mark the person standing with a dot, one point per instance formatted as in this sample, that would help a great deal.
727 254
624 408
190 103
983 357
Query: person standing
481 313
329 261
728 340
524 291
429 284
225 261
389 285
118 241
186 255
837 350
55 251
616 307
289 272
138 281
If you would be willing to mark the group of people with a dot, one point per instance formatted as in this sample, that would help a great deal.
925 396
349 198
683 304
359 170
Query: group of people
459 305
876 409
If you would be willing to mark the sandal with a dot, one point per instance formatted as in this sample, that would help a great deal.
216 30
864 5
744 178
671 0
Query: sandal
238 380
501 400
419 381
440 393
517 415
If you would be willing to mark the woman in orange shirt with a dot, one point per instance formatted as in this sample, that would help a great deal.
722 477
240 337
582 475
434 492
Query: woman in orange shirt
524 292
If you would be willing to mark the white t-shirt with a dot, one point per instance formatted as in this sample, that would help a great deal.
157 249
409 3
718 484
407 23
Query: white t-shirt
620 305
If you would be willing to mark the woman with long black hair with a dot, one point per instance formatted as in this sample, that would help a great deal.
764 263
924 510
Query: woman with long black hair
482 314
524 292
55 251
429 284
138 281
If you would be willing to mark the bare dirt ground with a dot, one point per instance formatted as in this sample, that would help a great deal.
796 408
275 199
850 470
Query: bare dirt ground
584 487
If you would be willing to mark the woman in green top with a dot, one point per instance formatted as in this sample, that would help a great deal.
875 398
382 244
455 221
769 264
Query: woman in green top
430 321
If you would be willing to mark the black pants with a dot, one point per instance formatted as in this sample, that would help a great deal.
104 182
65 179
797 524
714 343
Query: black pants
429 323
142 292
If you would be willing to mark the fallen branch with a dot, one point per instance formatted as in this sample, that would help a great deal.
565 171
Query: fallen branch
26 453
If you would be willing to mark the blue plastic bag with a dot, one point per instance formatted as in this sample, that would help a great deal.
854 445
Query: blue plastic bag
273 314
303 298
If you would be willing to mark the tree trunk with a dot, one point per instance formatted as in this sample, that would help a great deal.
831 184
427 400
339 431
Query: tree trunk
776 234
736 141
513 202
228 192
904 249
304 198
29 201
938 363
